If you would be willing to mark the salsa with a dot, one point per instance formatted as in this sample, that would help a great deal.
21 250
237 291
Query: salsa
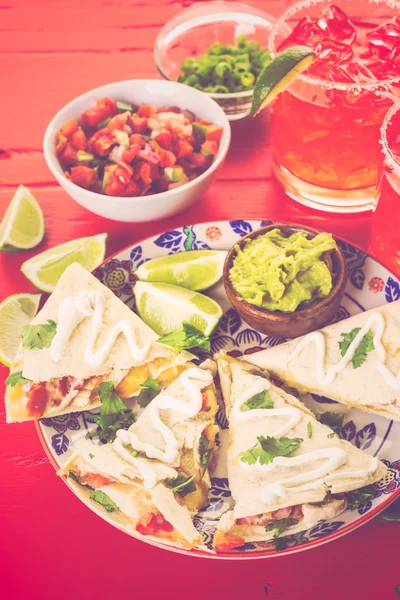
277 272
118 149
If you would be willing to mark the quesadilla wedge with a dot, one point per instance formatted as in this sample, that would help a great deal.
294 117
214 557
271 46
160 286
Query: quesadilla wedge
355 362
84 335
286 470
155 476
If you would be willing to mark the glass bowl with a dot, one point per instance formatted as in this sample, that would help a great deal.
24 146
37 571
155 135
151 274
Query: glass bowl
191 31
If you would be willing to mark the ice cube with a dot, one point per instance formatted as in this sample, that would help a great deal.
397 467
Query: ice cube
306 32
333 51
386 36
337 25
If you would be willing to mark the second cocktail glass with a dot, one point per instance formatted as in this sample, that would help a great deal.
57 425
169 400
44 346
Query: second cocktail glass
325 126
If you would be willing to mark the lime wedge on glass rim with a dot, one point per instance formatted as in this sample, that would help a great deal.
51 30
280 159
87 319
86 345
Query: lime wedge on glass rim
195 269
45 269
279 74
22 226
163 306
15 312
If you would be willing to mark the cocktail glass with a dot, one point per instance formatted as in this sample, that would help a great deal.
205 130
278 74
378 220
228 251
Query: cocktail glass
385 231
325 126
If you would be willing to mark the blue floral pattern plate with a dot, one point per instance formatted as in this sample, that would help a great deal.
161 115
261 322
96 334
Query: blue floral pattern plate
369 285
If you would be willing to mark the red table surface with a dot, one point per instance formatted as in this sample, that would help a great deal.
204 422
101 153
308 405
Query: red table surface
53 546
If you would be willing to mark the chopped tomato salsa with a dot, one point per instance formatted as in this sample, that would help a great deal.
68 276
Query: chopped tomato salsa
118 149
152 523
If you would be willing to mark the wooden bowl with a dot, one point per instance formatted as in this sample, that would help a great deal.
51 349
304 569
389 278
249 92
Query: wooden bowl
300 322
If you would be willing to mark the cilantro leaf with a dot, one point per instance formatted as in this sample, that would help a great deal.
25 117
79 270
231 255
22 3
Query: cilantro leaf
366 345
16 379
104 500
91 455
38 336
332 419
281 543
72 475
260 400
309 429
150 389
280 525
185 338
204 450
113 414
361 496
267 448
181 484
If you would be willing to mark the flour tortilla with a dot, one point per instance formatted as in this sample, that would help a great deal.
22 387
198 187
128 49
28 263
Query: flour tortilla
245 483
38 365
129 492
363 387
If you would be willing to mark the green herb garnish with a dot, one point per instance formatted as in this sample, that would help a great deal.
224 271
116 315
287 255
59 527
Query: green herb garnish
361 496
150 389
366 345
185 338
113 414
91 455
281 543
267 448
205 451
309 430
38 336
181 485
332 419
280 525
260 400
16 379
104 500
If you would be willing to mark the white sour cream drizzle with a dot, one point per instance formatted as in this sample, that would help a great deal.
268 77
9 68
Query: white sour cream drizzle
334 457
73 310
326 376
259 386
193 380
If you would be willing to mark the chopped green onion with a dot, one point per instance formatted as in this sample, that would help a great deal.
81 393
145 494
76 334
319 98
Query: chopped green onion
124 106
83 156
225 68
174 173
103 123
105 179
247 80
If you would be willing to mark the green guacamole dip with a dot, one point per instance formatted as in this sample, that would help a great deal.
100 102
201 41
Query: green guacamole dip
281 273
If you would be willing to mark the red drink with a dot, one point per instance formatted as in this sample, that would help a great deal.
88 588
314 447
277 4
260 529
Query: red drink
325 127
385 236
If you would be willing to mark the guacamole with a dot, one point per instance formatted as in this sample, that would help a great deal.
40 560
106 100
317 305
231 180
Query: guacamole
281 273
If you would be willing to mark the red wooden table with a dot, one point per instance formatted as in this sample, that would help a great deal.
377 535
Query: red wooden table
53 546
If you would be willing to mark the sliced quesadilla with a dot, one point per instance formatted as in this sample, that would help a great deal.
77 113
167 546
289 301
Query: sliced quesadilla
355 362
84 335
286 470
155 476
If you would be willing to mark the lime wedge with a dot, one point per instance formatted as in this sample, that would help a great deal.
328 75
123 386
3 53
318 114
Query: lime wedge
163 306
22 226
15 312
279 74
45 269
195 269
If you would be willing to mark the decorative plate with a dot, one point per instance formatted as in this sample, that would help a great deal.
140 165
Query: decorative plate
369 285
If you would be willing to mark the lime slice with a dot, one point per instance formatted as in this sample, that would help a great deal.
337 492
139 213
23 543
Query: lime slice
45 269
22 226
195 269
279 74
15 312
163 306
